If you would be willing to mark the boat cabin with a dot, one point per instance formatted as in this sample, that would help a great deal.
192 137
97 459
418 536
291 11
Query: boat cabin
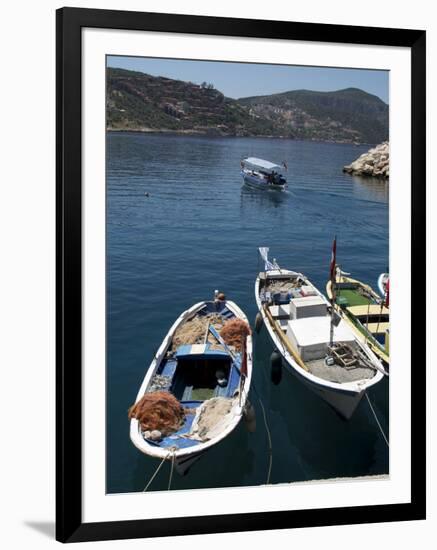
263 170
203 372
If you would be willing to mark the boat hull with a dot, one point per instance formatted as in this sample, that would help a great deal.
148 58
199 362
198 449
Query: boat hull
256 183
183 464
342 401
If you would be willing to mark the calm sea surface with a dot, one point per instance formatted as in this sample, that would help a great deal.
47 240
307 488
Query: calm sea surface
199 230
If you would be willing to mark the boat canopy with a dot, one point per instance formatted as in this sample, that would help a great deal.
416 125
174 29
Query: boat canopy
261 164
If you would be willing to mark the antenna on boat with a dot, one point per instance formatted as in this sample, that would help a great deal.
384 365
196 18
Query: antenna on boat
332 277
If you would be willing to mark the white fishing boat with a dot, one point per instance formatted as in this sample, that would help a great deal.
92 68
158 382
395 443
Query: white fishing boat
263 174
204 378
318 348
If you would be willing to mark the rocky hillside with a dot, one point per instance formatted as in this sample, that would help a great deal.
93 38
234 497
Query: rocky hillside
344 115
376 162
137 101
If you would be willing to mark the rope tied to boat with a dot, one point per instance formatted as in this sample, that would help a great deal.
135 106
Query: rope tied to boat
377 421
269 437
156 471
173 456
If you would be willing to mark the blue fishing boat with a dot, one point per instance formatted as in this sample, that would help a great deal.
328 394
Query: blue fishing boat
263 174
203 371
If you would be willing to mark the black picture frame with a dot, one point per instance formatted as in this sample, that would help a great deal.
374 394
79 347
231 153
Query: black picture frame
69 525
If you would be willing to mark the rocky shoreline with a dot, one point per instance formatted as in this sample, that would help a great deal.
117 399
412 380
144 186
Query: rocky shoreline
374 163
217 132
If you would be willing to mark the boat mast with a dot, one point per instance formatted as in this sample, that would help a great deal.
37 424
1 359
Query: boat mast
333 281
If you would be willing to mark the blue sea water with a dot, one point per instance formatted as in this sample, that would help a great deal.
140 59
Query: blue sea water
198 230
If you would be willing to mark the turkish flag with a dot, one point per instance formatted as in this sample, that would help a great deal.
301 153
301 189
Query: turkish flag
333 259
243 369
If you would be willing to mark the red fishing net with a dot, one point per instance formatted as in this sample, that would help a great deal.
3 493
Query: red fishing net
234 333
158 410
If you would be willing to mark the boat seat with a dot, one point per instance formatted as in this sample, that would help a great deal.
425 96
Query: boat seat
280 312
368 309
226 313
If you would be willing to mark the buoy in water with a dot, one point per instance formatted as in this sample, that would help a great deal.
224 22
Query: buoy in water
258 322
276 367
249 417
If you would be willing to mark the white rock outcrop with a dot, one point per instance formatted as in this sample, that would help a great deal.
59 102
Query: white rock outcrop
374 163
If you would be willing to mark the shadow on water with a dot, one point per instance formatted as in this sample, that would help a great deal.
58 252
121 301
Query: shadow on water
320 441
232 460
262 197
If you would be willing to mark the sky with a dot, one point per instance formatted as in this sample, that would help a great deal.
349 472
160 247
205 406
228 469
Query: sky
249 79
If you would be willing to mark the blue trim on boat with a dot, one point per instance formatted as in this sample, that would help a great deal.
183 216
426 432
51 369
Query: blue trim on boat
176 438
168 368
198 351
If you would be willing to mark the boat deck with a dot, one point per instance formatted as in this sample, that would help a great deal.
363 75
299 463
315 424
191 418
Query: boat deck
337 373
178 439
351 297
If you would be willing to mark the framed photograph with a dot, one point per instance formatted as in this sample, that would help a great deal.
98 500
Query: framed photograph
240 217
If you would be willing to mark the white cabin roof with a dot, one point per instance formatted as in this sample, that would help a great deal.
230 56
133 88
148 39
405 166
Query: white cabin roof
315 330
263 164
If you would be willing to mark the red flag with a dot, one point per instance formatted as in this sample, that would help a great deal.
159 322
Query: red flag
243 369
387 293
244 360
333 259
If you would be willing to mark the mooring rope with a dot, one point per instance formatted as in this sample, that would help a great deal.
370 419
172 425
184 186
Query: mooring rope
173 456
270 441
269 437
156 472
377 421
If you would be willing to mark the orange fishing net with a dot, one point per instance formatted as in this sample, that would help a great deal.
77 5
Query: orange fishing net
194 330
234 332
158 410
